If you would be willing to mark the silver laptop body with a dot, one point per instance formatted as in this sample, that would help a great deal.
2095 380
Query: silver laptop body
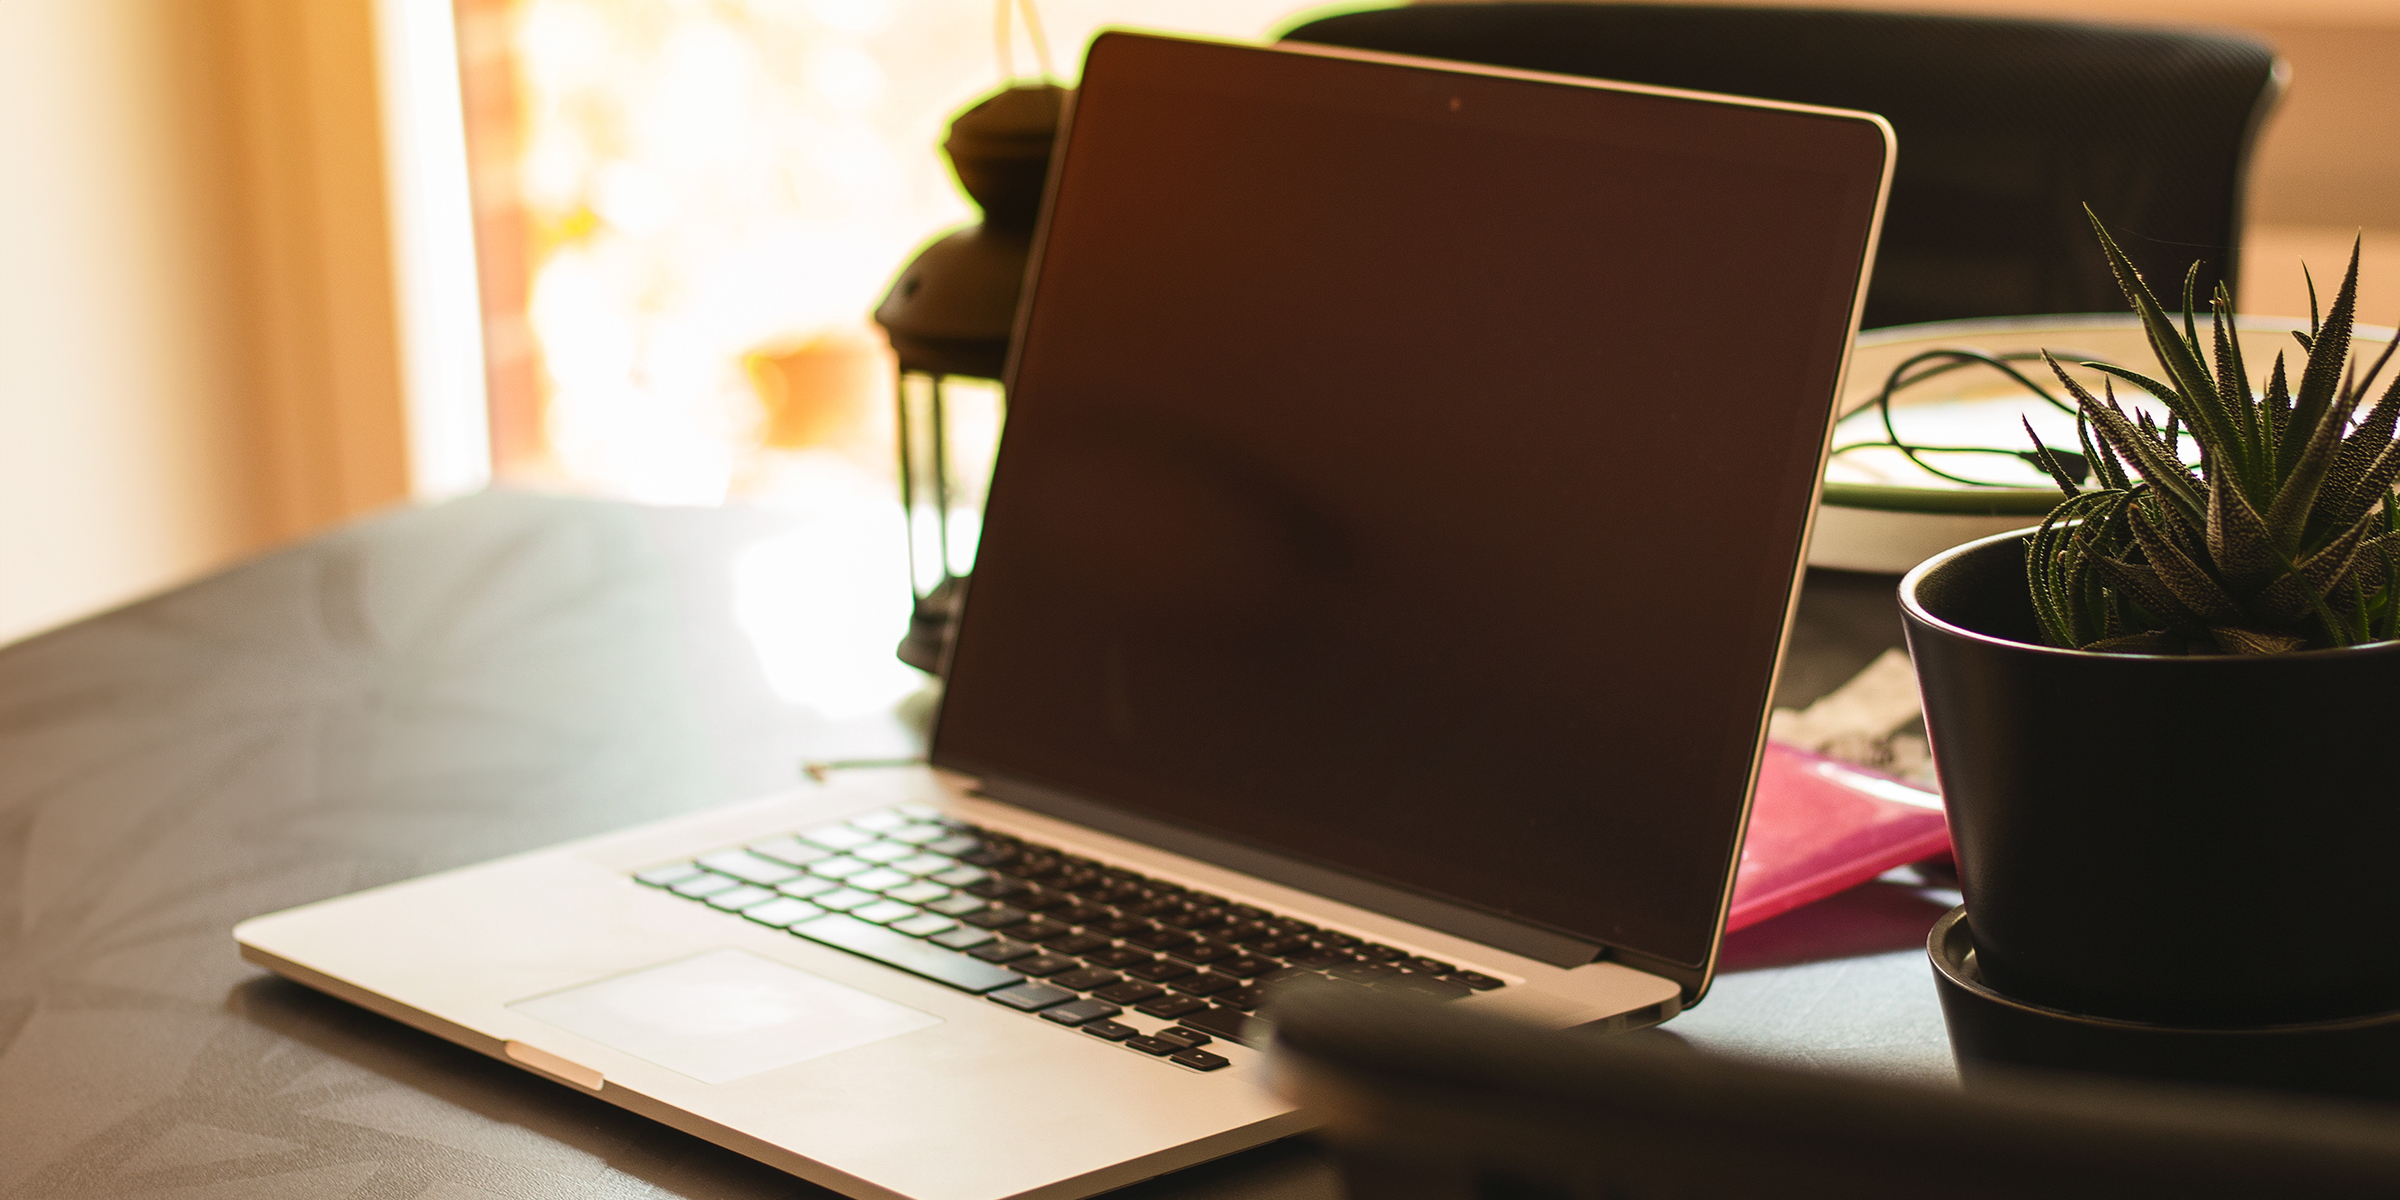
1405 494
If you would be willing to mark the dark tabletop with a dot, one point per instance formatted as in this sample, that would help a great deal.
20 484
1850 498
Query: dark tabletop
438 686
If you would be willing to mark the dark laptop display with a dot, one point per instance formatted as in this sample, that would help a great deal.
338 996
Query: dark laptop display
1416 485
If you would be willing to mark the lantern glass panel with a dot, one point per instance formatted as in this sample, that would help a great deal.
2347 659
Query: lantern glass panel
950 431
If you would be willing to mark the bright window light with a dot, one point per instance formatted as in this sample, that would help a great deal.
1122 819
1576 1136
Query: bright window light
433 249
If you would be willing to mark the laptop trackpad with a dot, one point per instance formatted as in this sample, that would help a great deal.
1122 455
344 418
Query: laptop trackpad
724 1015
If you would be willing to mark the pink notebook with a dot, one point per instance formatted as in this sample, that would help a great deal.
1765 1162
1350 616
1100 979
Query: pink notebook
1819 825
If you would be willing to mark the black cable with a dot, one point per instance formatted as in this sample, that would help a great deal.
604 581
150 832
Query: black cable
1954 359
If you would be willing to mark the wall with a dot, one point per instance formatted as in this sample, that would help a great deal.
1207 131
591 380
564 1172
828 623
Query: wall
197 355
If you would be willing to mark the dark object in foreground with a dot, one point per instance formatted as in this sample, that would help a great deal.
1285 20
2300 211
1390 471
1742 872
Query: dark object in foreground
1429 1102
2356 1056
2186 840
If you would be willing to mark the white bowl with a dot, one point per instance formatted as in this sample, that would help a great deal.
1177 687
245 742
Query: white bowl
1882 513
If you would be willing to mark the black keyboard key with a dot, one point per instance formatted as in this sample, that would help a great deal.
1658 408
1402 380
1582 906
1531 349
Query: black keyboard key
1119 958
907 953
1115 1031
1131 991
1117 927
1159 970
1079 1011
1191 1039
1073 878
1285 974
741 898
1044 964
785 911
1041 900
883 853
964 938
1248 999
1039 930
841 866
996 916
1002 950
1084 980
1430 966
1315 959
1204 952
926 925
1167 1008
917 835
1249 933
1281 946
1032 997
1084 914
1157 1046
790 850
1365 972
988 855
919 892
1247 966
1232 1024
701 887
1428 986
1378 952
1157 938
1481 983
998 887
1194 918
1077 944
837 837
668 875
888 911
1200 1060
1338 940
1204 900
1244 912
1204 984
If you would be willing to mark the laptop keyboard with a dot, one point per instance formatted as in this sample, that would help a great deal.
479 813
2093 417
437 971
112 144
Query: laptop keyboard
1042 931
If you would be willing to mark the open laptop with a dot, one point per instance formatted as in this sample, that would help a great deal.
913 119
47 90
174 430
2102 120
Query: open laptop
1404 497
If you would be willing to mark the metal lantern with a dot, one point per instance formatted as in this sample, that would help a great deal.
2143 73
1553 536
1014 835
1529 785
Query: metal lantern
949 316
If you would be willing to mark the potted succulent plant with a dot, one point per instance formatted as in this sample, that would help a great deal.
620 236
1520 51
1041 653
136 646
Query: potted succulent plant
2165 722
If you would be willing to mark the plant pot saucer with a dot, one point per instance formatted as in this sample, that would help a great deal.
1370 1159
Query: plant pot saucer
2353 1056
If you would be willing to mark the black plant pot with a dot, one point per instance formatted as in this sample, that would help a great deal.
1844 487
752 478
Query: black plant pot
2187 840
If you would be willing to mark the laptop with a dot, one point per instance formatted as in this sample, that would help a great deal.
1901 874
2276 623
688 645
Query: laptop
1406 487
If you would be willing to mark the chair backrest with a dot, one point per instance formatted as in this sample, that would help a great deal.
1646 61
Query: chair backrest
2006 128
1434 1102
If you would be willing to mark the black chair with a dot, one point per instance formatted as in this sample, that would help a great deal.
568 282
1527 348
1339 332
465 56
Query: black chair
1429 1102
2006 128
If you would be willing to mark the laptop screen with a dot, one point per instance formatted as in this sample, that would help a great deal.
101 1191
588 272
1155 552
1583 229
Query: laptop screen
1407 470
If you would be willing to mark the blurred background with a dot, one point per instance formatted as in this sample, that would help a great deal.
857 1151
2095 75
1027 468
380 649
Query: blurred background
269 265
